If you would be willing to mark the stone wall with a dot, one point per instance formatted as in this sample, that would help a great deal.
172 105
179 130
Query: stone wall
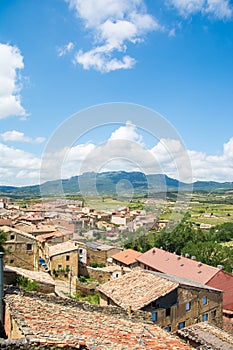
95 273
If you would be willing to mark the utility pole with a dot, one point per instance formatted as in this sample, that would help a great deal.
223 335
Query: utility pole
1 288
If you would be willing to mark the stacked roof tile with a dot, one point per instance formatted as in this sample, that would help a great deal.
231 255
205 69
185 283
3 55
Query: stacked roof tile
47 321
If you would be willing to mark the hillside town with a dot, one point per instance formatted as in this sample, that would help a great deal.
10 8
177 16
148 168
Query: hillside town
66 252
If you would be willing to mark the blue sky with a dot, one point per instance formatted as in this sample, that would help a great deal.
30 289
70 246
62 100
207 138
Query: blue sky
60 57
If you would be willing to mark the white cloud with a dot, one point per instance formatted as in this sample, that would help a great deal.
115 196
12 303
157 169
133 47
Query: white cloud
100 60
113 24
18 136
16 162
204 167
11 61
127 132
124 150
64 50
219 9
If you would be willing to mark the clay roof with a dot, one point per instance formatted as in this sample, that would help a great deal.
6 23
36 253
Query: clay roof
137 289
224 281
54 234
38 276
19 232
62 248
127 256
207 336
172 264
5 222
53 321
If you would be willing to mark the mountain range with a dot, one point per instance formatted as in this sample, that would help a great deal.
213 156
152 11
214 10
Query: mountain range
112 183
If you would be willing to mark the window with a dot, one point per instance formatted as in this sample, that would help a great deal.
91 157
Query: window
168 312
59 267
154 316
205 317
181 325
80 251
204 300
188 306
12 237
12 261
214 314
168 328
67 257
29 246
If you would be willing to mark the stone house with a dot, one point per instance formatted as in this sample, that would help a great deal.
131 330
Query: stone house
126 258
160 260
22 249
173 303
95 253
63 258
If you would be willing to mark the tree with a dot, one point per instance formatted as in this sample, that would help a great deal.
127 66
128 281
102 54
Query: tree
210 253
175 240
3 238
222 233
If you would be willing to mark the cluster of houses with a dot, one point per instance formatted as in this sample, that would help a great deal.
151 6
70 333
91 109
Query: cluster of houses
143 296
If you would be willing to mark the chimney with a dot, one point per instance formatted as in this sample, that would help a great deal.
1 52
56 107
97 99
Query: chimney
221 267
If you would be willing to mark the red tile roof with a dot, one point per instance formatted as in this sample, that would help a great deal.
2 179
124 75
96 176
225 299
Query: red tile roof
223 280
127 256
137 289
172 264
50 320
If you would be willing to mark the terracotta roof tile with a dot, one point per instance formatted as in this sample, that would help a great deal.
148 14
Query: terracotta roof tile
43 320
39 276
172 264
137 289
62 248
127 256
207 336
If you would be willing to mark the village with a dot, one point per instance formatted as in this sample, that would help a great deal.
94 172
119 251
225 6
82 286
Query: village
58 251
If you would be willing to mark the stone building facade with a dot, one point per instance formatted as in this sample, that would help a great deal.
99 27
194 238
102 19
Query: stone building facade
172 303
21 249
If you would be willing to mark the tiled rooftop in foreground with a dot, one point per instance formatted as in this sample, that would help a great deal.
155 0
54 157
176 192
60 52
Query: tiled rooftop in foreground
207 336
50 320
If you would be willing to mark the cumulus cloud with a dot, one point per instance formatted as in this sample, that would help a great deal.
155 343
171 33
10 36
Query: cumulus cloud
18 167
204 167
11 62
113 24
219 9
126 132
18 136
124 150
64 50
